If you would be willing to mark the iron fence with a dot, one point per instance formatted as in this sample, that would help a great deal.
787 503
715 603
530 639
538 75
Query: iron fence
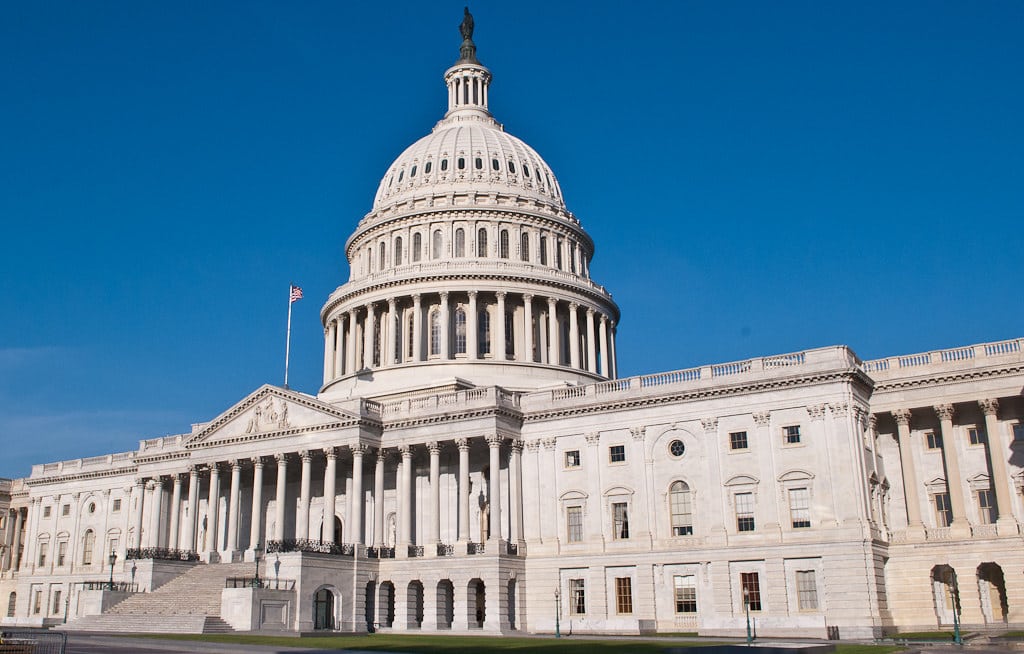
119 586
380 552
161 554
33 641
474 548
261 582
311 546
444 549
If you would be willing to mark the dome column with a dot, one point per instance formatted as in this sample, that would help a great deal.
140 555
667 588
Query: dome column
350 343
614 362
552 331
389 356
591 343
368 336
574 335
330 496
528 327
472 346
330 334
604 345
378 500
498 348
339 346
417 328
445 327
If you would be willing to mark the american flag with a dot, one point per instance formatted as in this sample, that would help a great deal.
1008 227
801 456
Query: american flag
296 293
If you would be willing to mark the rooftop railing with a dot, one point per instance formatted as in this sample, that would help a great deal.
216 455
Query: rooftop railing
937 358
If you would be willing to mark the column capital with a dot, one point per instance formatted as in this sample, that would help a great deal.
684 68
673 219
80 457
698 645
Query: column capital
331 453
816 411
552 301
501 294
462 443
494 440
444 296
574 306
944 411
358 448
305 455
762 418
416 298
281 458
236 464
193 470
176 477
527 298
901 416
434 447
590 311
710 425
592 440
989 407
472 294
516 445
257 462
140 482
405 451
873 422
391 304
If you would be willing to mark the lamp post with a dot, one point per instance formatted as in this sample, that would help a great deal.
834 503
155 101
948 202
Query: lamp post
256 555
746 608
558 613
113 560
954 590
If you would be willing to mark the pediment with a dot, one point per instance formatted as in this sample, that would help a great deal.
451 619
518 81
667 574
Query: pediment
270 411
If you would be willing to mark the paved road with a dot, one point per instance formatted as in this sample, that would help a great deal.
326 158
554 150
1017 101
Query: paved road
82 643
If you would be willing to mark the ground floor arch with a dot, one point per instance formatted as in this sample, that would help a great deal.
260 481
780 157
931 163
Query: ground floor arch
476 604
992 592
414 604
324 609
386 605
445 603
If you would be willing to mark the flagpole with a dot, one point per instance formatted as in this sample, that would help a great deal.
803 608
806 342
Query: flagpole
288 338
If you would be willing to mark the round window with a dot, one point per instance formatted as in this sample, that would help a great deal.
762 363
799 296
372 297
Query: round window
92 507
676 447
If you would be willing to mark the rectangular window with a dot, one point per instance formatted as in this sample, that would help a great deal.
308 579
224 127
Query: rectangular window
750 590
574 523
685 593
62 552
943 510
986 507
806 590
620 519
738 440
792 434
617 453
43 549
975 436
800 508
744 511
623 595
1018 432
577 597
46 512
65 510
56 602
572 459
934 440
116 506
37 602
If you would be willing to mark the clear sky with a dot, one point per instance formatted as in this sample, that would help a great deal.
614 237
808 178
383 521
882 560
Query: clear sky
759 178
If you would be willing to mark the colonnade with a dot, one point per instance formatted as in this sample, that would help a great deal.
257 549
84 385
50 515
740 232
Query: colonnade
184 531
1000 483
450 325
12 538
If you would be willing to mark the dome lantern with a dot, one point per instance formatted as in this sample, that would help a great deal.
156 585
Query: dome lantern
468 81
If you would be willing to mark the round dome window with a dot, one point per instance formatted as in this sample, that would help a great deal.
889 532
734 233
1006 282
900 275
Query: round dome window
92 507
677 448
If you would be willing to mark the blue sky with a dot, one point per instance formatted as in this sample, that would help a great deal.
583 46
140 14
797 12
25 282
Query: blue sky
758 178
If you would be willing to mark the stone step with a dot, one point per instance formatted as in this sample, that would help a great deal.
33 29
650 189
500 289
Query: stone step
217 626
178 624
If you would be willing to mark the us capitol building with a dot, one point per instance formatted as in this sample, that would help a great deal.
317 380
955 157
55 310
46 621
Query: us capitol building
474 463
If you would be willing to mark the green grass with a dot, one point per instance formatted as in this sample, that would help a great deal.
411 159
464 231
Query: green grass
927 635
429 644
439 644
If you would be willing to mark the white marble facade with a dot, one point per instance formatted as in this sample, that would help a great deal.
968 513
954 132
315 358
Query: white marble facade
477 463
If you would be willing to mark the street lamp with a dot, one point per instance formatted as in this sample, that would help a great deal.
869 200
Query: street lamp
954 590
746 608
113 560
558 612
256 555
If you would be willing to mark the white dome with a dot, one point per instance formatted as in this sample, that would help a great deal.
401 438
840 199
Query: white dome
472 155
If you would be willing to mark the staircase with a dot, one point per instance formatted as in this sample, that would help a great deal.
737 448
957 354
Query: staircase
189 604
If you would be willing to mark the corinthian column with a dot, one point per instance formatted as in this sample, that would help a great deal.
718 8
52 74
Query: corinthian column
330 334
155 519
953 481
605 362
279 501
388 357
434 531
910 484
302 520
527 328
498 347
256 520
472 328
368 333
494 495
515 478
189 535
445 326
330 497
339 347
405 501
356 521
591 343
552 331
378 500
233 500
175 509
1005 524
140 497
574 335
213 509
463 445
350 344
417 328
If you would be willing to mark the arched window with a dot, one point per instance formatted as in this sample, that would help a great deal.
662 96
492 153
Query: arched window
461 163
460 242
398 251
572 257
436 245
558 253
12 602
511 166
510 341
524 247
495 165
564 342
88 544
410 334
435 332
412 173
503 244
378 330
444 165
681 509
543 250
417 246
381 258
460 330
426 168
481 242
483 329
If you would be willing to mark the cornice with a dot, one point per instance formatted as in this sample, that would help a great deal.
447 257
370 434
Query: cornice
447 417
283 433
854 375
167 456
604 298
97 474
947 378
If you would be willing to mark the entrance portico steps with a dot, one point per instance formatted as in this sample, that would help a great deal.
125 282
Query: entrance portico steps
188 604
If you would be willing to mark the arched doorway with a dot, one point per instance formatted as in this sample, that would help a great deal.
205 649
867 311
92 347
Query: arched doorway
323 609
12 602
992 588
337 531
414 605
386 604
476 604
945 593
369 599
445 604
511 603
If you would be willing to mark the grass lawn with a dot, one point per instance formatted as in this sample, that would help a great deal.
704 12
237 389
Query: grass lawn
430 644
928 635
